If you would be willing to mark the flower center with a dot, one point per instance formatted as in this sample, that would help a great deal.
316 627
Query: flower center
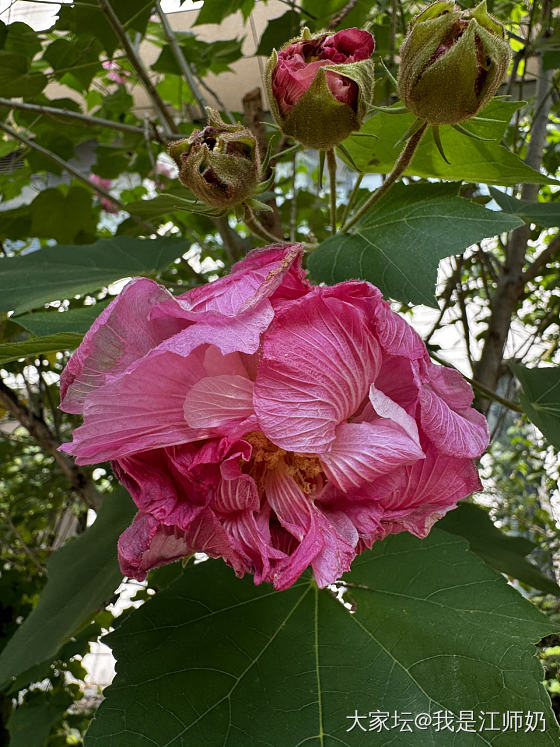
305 470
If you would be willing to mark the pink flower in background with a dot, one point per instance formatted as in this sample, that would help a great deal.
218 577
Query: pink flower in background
106 184
272 423
116 73
299 63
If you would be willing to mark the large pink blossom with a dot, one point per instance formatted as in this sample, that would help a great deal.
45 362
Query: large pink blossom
272 423
299 63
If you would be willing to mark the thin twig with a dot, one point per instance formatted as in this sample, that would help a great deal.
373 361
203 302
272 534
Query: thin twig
540 260
28 551
293 205
40 431
165 117
71 170
180 58
52 111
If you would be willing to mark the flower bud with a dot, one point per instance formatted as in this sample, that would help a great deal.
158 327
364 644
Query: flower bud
220 163
319 87
452 62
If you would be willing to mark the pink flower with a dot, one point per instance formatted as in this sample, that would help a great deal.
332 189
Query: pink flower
269 422
298 64
116 73
107 205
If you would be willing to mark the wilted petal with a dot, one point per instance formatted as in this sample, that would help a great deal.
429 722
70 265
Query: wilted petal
148 544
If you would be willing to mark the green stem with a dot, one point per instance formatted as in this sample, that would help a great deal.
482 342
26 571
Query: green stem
352 197
331 164
259 230
400 166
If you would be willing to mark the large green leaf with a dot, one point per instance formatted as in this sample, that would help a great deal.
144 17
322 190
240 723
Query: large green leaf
545 214
64 271
82 575
78 321
503 552
33 346
278 32
62 216
214 11
15 80
470 160
540 398
398 244
216 661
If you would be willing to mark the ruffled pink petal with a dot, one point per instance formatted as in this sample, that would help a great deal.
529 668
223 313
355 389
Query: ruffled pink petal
139 411
362 452
319 359
223 402
387 408
448 384
395 335
237 494
461 433
260 275
324 542
250 537
158 487
398 379
120 335
348 45
342 88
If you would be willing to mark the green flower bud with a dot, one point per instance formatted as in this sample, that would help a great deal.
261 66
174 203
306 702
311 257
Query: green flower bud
319 87
452 62
220 163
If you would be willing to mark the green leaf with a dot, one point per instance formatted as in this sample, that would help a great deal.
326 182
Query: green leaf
65 271
78 321
503 552
433 629
165 204
82 575
470 160
12 351
214 11
15 80
30 724
540 398
398 244
22 39
62 217
323 11
545 214
278 32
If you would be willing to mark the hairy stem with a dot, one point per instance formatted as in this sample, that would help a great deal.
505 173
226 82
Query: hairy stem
400 166
331 165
